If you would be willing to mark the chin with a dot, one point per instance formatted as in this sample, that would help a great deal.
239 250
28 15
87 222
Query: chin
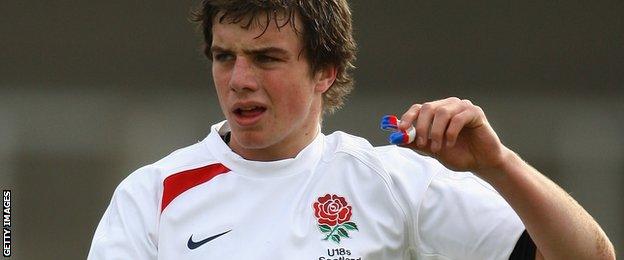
251 140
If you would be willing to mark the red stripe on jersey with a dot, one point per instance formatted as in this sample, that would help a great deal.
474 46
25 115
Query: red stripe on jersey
178 183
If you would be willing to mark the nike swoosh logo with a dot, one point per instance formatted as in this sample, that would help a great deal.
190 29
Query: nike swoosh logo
192 245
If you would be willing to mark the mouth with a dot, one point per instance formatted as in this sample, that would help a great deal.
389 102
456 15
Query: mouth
249 111
248 115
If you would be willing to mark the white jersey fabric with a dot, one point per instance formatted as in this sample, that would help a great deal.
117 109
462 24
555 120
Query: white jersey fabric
340 198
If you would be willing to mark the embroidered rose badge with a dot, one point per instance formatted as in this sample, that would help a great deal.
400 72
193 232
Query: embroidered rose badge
333 214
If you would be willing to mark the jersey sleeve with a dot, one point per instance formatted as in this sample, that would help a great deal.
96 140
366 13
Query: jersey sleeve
463 217
452 215
128 229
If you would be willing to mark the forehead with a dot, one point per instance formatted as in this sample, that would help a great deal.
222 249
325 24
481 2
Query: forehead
265 28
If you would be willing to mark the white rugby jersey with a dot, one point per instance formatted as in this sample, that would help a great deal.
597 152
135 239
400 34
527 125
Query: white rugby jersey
338 199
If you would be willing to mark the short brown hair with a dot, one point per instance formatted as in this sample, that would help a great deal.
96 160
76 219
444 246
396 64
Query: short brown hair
327 33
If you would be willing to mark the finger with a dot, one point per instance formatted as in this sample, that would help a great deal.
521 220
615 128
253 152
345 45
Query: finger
457 123
440 122
423 123
423 116
425 119
408 118
444 113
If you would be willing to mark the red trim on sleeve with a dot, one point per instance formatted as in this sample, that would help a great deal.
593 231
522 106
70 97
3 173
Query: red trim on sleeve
178 183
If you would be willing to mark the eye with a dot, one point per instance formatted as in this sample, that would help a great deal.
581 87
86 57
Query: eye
262 58
222 57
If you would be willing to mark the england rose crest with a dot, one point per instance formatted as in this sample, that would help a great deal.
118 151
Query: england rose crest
333 215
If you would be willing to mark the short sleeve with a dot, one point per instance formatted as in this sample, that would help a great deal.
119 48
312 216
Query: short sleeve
128 229
463 217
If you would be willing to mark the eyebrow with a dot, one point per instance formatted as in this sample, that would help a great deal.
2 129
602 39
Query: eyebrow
273 50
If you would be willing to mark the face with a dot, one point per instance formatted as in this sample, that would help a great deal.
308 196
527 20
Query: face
267 92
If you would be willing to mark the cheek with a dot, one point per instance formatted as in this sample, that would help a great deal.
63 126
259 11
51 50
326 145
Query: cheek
221 85
299 93
220 78
287 93
296 104
291 93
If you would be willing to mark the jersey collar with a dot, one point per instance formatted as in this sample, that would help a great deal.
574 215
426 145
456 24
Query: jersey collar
305 160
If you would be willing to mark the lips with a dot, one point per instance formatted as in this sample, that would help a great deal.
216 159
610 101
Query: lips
248 114
249 111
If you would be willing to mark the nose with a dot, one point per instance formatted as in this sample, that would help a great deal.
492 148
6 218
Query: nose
242 77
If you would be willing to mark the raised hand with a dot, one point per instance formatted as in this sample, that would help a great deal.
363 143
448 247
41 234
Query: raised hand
457 133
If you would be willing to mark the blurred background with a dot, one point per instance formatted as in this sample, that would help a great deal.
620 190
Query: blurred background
92 90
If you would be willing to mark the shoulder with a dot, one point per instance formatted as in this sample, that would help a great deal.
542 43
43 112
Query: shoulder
193 156
396 157
341 143
389 158
403 169
150 178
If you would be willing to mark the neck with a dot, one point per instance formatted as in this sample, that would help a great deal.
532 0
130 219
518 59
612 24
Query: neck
289 146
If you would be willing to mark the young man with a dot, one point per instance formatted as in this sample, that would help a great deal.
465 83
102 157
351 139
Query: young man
267 184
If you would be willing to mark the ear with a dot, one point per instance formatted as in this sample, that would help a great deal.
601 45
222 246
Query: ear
324 78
